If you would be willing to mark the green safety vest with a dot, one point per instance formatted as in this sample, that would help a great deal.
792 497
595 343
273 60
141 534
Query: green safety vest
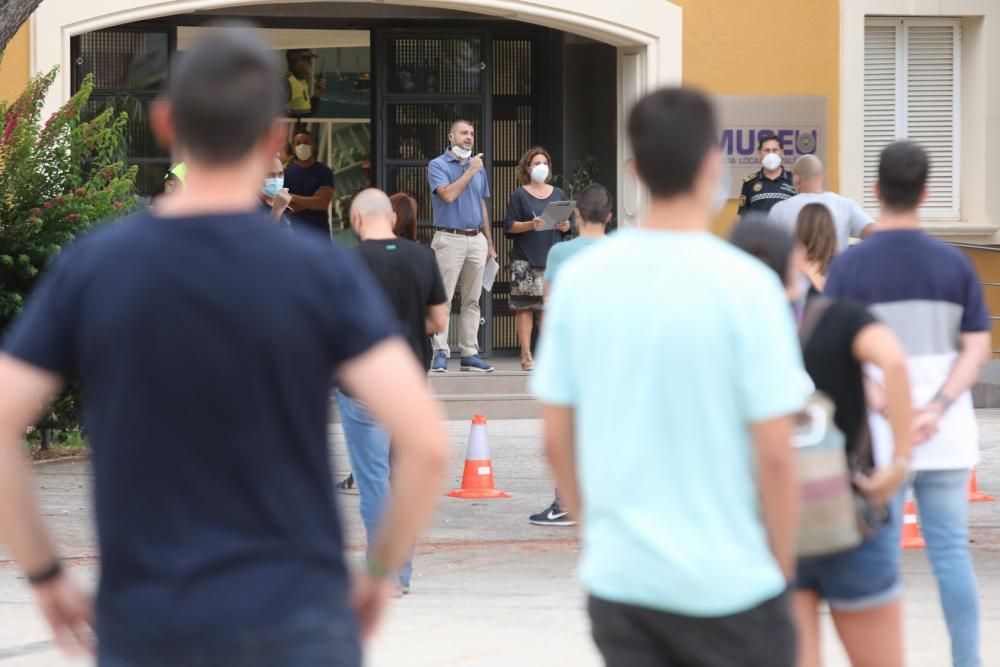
299 101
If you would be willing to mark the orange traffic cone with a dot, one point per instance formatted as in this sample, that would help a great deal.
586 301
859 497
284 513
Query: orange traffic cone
912 539
477 480
974 494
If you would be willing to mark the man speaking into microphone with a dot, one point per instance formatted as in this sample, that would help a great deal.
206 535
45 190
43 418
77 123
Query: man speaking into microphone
463 239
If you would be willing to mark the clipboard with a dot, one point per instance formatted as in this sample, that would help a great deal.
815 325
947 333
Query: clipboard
556 212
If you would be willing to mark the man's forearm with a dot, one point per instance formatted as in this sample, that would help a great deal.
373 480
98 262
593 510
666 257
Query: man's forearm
313 203
964 374
453 190
21 526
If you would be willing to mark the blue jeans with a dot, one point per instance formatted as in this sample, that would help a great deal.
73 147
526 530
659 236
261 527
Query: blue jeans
368 448
943 508
312 638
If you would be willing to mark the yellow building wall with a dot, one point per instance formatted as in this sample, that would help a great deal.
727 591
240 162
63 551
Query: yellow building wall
780 47
14 68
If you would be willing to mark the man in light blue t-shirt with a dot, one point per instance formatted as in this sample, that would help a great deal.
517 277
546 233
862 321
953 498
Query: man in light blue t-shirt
669 372
593 211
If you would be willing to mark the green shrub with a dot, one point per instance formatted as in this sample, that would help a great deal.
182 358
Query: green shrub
57 180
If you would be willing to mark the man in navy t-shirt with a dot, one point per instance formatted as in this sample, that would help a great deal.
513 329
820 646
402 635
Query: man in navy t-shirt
311 185
929 295
205 340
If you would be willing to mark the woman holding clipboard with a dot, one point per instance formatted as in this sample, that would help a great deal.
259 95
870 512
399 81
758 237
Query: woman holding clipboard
533 236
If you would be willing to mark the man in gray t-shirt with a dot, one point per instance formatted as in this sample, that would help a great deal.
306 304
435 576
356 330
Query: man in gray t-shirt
849 219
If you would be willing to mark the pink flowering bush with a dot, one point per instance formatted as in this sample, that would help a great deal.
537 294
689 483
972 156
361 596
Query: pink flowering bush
57 180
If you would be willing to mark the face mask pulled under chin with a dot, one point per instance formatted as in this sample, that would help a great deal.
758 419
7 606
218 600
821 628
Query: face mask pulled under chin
461 153
303 151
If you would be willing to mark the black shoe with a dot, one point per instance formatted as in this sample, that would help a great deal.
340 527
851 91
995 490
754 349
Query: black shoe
553 516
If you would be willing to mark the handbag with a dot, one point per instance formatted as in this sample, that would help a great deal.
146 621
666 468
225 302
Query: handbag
834 516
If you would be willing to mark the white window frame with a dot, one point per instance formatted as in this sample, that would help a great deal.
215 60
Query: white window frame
902 48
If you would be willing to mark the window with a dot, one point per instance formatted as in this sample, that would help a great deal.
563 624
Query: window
912 91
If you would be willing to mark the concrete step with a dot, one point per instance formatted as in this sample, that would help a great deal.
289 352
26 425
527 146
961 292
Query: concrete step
469 383
494 406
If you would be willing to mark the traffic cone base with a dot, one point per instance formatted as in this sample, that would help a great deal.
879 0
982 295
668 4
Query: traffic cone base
912 539
477 478
974 494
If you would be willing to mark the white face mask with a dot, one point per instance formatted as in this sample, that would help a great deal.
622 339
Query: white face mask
539 173
771 161
461 153
303 152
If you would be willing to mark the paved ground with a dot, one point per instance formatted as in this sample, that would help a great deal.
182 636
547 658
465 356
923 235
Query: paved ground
490 589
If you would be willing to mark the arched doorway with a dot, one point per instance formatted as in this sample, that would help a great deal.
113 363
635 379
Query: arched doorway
645 33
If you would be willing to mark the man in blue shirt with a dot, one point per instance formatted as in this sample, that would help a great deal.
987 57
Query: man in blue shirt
463 239
687 403
205 339
311 186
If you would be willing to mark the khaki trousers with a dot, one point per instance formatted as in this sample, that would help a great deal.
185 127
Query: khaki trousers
461 259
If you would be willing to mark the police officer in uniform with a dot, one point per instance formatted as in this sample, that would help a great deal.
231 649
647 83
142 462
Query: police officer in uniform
765 188
302 98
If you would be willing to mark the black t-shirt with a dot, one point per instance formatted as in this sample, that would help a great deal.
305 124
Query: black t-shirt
830 361
205 347
305 181
409 275
532 247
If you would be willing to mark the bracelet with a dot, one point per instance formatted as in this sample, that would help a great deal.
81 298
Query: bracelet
943 400
46 575
375 569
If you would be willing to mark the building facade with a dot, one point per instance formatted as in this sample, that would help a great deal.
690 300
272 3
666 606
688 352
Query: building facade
562 73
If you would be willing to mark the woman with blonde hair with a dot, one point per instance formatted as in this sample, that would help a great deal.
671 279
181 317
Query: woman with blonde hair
531 243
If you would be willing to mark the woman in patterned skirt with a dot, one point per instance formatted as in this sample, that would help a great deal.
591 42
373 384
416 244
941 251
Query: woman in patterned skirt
531 243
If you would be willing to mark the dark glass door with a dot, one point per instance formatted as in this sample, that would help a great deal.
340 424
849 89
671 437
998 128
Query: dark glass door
426 81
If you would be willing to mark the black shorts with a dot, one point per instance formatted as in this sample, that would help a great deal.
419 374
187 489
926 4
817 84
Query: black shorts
629 636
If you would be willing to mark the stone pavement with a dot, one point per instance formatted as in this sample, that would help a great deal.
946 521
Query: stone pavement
489 588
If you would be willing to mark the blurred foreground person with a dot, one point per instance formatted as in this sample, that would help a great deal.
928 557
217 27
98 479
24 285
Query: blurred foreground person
205 339
698 352
861 584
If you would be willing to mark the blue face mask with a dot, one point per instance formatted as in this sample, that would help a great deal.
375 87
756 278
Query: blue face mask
272 186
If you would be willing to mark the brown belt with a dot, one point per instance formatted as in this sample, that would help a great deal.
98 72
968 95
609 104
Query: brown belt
460 232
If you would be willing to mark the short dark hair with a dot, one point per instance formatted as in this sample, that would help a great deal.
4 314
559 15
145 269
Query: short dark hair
815 230
767 137
225 93
766 240
594 203
671 130
305 132
903 168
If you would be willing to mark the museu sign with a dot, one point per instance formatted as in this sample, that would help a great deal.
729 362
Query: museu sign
799 122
